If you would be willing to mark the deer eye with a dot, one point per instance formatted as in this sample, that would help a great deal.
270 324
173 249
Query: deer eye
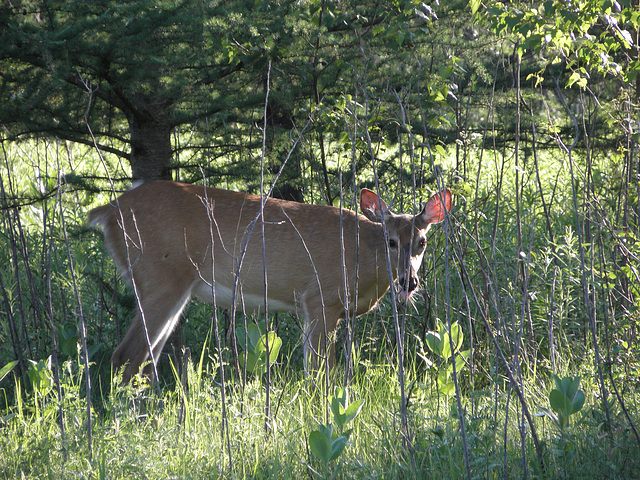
422 243
393 243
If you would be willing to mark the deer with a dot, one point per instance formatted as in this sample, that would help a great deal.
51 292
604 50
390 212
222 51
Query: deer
174 242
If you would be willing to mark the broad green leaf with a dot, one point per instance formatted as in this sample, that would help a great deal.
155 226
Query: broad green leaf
93 349
448 389
320 446
253 334
573 386
474 5
445 385
338 412
68 339
578 401
337 446
434 342
252 361
326 430
456 335
354 410
274 346
459 363
4 371
570 387
241 338
559 402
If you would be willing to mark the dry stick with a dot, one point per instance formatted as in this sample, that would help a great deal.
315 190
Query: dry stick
10 227
465 157
518 341
468 287
138 243
546 208
35 303
317 277
313 265
493 236
608 293
126 238
318 101
345 284
183 383
608 360
585 286
487 123
267 406
350 319
405 305
13 328
83 326
54 338
440 184
520 272
447 220
552 347
396 321
251 226
249 231
210 205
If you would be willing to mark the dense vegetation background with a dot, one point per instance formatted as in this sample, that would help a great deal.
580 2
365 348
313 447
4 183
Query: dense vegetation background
527 111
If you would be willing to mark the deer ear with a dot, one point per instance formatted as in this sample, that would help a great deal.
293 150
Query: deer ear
370 205
434 210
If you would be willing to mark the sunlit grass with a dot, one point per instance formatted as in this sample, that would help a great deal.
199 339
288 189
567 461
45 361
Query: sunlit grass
137 433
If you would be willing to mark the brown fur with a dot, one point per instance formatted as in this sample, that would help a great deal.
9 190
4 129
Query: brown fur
168 256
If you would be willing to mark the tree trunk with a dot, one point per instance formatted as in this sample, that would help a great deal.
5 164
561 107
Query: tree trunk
150 140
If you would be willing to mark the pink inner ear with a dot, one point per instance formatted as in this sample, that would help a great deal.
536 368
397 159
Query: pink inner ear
370 203
434 209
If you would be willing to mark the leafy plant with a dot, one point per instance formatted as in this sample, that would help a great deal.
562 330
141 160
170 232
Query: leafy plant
565 400
68 339
254 344
343 411
327 445
41 376
440 344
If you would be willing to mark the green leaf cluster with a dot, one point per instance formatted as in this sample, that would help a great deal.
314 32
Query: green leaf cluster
588 36
254 344
325 443
343 411
446 344
565 400
41 376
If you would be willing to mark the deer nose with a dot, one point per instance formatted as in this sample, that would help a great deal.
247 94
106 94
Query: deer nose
408 285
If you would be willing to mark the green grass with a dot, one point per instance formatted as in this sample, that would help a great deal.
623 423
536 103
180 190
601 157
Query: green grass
136 433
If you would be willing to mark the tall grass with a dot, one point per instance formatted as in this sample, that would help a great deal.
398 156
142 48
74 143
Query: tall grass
137 433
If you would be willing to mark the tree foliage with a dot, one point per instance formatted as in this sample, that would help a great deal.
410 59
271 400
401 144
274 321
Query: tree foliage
126 77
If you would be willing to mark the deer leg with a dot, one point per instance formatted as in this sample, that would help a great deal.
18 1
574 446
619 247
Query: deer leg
162 309
319 346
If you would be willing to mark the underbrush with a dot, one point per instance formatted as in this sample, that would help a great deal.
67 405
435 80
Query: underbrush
185 433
